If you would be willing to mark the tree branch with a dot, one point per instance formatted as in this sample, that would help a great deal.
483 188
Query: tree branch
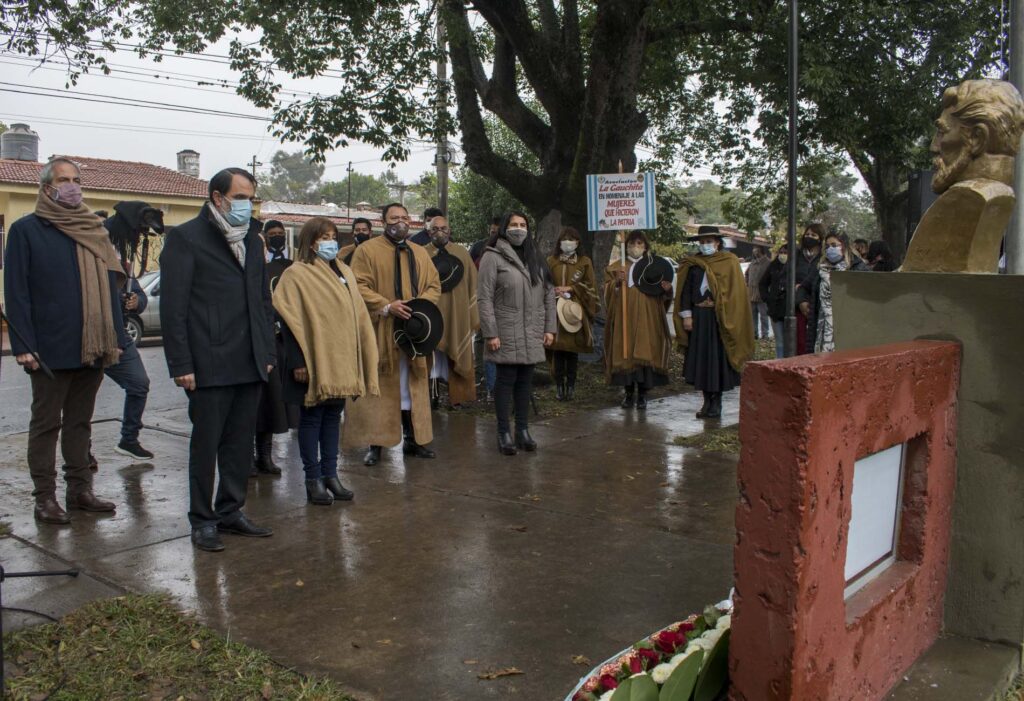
548 19
501 97
712 25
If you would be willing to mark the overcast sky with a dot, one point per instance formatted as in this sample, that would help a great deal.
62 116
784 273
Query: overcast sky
88 128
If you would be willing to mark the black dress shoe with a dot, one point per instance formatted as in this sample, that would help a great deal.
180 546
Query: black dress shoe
506 446
243 526
265 466
206 538
335 487
317 494
410 447
524 441
372 456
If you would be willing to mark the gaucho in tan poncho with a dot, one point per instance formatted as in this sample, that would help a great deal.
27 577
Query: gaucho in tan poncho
453 359
390 271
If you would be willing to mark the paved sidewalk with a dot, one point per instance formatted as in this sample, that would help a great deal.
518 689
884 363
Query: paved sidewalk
439 570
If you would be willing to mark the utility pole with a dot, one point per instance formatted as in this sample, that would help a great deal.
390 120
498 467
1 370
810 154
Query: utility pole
253 165
349 201
402 188
442 157
794 81
1015 232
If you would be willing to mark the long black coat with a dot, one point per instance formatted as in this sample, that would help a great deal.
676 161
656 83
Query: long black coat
217 319
773 289
43 292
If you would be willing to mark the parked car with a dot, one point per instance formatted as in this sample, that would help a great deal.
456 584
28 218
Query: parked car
148 322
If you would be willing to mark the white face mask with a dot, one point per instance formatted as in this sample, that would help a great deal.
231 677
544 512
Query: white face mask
568 246
635 252
707 249
516 236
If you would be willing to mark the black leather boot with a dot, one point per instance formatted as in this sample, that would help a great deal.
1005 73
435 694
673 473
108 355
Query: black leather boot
265 454
506 446
715 410
525 441
560 389
641 399
317 494
627 398
337 489
409 444
702 413
372 456
570 389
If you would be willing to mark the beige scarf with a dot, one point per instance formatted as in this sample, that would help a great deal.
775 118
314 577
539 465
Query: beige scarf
329 320
96 258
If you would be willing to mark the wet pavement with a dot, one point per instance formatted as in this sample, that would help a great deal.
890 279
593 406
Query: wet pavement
439 571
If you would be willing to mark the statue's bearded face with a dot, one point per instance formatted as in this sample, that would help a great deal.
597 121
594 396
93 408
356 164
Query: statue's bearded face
952 149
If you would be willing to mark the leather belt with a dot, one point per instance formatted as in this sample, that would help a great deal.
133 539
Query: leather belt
707 304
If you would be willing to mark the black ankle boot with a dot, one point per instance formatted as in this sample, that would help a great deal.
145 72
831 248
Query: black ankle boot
706 407
715 410
525 441
409 444
506 446
317 494
570 389
560 390
641 399
265 454
627 399
337 489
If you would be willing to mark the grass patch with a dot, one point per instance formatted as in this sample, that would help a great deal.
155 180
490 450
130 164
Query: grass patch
715 440
5 529
1016 690
141 647
764 349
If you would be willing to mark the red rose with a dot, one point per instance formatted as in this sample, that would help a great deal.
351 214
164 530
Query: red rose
648 658
667 641
636 664
609 682
685 627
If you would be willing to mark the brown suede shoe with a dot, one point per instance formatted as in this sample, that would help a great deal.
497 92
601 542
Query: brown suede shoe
87 501
48 511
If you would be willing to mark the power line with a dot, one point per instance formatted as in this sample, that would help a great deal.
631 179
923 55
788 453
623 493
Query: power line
147 129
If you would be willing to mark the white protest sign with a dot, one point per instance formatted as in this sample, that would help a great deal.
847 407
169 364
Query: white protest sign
621 201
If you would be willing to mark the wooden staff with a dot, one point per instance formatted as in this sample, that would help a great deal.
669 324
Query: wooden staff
625 286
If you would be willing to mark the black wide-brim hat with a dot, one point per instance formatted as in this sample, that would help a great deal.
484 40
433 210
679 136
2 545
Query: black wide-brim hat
419 335
647 277
707 231
450 269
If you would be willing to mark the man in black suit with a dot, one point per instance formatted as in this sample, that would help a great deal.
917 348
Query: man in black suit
218 338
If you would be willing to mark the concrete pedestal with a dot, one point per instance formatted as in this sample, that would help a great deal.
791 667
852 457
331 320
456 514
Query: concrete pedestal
985 313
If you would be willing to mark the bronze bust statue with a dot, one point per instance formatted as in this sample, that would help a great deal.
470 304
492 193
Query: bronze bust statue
976 139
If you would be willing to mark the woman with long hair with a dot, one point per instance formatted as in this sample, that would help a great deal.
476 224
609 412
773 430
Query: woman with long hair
516 301
572 273
330 352
641 362
814 297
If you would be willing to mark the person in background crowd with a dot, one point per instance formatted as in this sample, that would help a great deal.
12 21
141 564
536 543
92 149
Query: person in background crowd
218 327
422 237
452 361
880 257
814 297
391 272
573 276
860 247
645 365
773 293
517 320
132 220
62 287
807 267
758 306
329 353
273 416
276 240
479 246
362 230
713 320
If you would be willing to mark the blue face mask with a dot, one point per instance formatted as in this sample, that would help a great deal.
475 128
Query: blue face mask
834 254
240 212
707 249
328 250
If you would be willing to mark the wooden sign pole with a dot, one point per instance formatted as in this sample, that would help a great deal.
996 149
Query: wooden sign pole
625 287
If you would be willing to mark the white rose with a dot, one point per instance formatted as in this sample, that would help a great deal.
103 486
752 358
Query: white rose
723 622
661 673
606 696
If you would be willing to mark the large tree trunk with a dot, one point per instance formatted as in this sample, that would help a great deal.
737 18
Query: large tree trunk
887 182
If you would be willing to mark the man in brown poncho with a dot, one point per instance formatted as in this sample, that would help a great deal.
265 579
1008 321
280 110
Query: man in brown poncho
453 359
62 286
391 271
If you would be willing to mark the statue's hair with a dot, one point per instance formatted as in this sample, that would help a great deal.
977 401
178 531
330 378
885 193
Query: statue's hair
994 103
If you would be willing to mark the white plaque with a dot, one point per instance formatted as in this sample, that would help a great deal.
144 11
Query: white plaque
874 522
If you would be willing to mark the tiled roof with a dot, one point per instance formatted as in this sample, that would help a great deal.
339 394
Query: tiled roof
115 176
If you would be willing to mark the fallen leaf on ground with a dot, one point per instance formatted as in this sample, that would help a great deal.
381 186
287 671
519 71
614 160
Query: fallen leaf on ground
355 645
268 691
299 583
195 644
519 529
385 641
507 672
469 661
583 660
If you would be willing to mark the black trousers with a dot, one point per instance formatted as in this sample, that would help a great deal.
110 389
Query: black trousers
223 428
61 406
565 365
513 387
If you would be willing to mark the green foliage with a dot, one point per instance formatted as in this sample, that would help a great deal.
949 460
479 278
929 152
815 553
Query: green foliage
640 688
679 685
715 673
365 188
293 178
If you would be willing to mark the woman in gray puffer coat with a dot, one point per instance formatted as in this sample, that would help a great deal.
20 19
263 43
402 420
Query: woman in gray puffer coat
516 300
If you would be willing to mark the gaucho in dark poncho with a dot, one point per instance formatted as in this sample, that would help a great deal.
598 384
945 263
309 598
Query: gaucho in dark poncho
712 319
